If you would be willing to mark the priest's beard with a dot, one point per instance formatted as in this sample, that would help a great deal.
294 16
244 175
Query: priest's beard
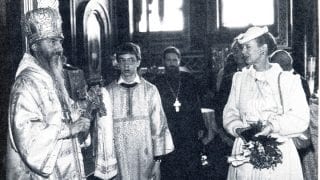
172 70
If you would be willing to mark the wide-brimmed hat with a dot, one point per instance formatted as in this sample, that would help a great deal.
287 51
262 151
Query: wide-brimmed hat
252 33
43 23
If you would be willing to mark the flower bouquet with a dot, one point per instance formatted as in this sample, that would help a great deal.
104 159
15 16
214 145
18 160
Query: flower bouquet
262 151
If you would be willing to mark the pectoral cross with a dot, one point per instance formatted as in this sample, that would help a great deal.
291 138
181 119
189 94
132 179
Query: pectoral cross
177 105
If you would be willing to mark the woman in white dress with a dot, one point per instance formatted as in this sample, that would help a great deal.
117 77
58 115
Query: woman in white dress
255 97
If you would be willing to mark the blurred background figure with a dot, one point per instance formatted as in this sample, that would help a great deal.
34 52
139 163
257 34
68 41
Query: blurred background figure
285 60
220 147
234 63
310 160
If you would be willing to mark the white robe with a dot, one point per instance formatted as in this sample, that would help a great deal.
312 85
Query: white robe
35 122
255 96
140 128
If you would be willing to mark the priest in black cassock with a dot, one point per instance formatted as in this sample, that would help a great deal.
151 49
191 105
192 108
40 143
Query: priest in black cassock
180 97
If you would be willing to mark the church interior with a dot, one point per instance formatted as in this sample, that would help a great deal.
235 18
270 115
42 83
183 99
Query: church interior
203 30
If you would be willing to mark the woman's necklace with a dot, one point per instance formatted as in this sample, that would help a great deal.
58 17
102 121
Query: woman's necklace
176 104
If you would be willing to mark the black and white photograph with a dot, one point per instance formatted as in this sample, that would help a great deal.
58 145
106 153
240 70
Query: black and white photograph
159 89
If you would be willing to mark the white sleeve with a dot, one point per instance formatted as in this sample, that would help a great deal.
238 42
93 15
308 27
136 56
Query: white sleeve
296 116
231 112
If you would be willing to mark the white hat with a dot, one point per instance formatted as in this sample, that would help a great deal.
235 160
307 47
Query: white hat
238 37
252 33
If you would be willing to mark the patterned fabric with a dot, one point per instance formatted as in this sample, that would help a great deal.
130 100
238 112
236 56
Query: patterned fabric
35 121
106 163
43 23
140 128
254 96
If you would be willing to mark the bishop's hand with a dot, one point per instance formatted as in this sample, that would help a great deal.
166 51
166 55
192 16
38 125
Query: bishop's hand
81 125
92 101
73 129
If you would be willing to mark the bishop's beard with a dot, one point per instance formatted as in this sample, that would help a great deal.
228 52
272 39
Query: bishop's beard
56 67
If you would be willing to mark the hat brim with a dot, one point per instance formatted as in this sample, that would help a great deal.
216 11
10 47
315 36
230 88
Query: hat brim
252 33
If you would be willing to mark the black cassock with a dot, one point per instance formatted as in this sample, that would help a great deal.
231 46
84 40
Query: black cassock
184 162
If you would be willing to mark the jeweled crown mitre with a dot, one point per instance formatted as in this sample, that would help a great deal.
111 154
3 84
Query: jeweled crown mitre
43 23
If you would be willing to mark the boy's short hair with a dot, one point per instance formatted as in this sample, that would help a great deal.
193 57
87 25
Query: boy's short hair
129 48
